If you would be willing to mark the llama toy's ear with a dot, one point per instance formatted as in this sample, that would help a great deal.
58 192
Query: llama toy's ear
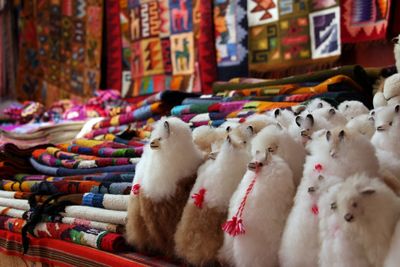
320 105
328 135
250 129
341 135
299 120
332 112
310 118
367 191
166 127
277 112
228 129
228 138
397 108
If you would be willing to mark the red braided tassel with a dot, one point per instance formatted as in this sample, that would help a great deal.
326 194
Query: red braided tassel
234 226
199 198
314 209
135 189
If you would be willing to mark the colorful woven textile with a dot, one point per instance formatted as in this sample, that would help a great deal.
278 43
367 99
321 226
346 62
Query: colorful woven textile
20 204
65 59
43 157
113 45
164 38
102 151
287 33
364 20
47 251
139 114
105 201
114 228
230 28
78 234
96 214
61 171
15 213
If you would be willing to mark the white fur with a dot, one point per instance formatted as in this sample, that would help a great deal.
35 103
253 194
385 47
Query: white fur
300 245
364 124
336 248
351 109
285 117
205 136
317 103
331 115
379 100
391 88
259 121
388 120
375 215
389 161
177 158
222 175
264 215
286 147
397 54
305 124
393 256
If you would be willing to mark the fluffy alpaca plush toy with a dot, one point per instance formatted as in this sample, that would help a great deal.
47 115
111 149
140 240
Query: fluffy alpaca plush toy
351 109
285 117
279 142
304 125
337 249
168 173
386 138
199 235
336 153
257 213
332 116
363 124
205 137
317 103
369 211
391 89
259 121
393 256
379 100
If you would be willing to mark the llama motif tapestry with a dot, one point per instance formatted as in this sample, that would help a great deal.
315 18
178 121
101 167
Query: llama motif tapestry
68 53
164 45
287 33
364 20
230 27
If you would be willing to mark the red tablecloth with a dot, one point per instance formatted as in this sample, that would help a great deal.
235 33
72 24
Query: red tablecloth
61 253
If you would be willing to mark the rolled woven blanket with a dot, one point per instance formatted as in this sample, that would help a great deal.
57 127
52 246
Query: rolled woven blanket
15 213
107 201
115 228
95 214
21 204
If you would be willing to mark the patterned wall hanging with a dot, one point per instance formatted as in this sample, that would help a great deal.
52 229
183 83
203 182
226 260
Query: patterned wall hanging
126 46
286 33
68 49
230 27
364 20
29 71
164 45
113 45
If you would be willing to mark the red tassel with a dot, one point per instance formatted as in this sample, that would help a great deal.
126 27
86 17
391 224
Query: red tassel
135 189
234 226
314 209
318 167
199 198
